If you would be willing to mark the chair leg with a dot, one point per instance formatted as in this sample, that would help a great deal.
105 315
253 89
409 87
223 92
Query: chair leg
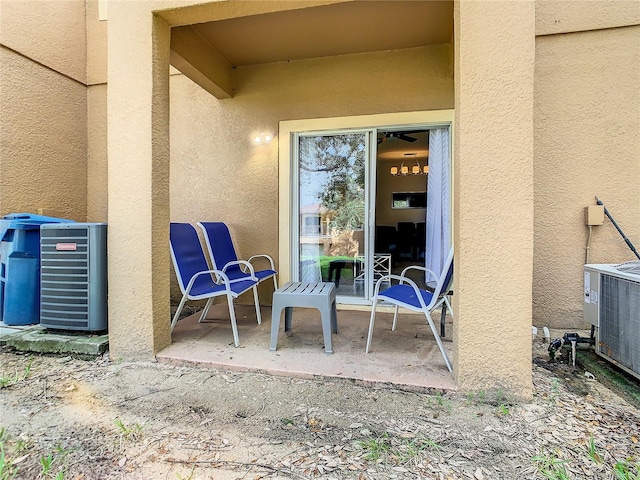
438 341
395 319
446 300
275 282
205 310
174 320
234 325
257 302
371 322
446 304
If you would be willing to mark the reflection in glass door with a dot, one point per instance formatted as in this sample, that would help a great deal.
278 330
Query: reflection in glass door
332 205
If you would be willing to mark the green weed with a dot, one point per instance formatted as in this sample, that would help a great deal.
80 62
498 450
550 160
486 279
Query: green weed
8 471
551 467
21 445
411 449
190 477
7 380
46 463
503 409
27 369
440 401
555 391
626 470
132 432
592 451
376 447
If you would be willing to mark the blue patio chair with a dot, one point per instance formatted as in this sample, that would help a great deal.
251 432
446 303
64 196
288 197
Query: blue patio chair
197 281
406 294
223 255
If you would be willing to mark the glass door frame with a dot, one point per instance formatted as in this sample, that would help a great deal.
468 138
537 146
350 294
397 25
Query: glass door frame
369 205
419 119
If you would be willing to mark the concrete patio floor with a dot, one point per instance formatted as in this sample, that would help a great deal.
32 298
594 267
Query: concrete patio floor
408 358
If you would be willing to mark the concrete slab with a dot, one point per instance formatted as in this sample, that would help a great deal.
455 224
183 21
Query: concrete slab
7 330
37 339
407 358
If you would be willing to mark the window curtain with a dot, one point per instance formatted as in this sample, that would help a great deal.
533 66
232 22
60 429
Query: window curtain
310 265
438 222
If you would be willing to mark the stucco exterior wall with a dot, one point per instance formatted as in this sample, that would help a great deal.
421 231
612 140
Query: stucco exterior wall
217 173
138 180
43 139
97 178
493 209
97 183
96 45
562 16
587 144
43 108
50 33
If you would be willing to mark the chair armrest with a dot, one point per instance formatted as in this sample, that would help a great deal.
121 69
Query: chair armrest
244 265
268 257
402 280
418 267
218 275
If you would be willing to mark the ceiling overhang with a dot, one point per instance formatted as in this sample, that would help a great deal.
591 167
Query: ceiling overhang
208 52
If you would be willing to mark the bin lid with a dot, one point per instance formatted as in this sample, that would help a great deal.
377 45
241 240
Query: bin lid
33 218
27 221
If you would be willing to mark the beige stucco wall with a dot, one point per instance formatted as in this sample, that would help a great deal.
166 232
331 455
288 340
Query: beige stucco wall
562 16
97 204
217 173
42 139
96 41
138 180
97 180
50 33
43 108
587 144
493 208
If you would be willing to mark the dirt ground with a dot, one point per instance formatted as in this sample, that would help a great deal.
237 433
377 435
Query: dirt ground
68 418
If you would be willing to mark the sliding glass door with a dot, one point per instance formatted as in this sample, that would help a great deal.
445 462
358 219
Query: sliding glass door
330 211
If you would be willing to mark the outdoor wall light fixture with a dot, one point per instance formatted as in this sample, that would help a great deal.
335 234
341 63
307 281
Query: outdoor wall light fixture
262 138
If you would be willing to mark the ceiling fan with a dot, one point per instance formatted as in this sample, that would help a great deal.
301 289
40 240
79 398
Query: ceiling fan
399 135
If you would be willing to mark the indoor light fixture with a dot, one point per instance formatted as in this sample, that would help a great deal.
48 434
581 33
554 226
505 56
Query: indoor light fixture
416 169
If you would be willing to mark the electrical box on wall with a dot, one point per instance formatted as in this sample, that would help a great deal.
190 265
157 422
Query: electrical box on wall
594 215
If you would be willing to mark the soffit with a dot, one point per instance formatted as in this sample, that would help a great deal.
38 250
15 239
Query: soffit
330 30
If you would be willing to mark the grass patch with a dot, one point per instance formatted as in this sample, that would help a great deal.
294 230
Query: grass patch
610 376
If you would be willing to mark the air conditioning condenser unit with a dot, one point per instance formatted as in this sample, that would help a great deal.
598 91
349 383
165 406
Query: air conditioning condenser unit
73 276
612 305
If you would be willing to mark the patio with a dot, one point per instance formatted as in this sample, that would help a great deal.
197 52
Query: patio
407 358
